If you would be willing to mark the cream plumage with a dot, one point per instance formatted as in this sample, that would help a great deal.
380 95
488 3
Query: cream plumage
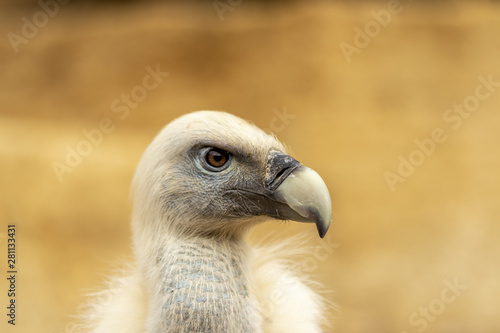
203 182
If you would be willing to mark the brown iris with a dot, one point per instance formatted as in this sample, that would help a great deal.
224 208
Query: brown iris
216 157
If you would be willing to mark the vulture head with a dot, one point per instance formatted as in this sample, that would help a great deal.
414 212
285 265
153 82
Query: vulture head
212 173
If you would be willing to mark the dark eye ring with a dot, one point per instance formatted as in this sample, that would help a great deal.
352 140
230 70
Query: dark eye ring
216 159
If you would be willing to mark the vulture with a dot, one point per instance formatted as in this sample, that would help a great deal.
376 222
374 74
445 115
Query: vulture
205 180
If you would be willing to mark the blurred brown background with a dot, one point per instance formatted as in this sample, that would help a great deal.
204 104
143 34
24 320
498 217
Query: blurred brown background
396 252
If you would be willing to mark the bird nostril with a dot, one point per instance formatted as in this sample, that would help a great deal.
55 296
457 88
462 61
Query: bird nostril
280 176
281 173
279 167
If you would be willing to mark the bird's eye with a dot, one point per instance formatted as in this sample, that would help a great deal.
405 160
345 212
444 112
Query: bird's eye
217 159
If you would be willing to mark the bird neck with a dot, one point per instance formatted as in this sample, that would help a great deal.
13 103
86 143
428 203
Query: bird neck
201 285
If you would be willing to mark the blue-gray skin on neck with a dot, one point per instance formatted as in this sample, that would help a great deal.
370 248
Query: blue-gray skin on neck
204 288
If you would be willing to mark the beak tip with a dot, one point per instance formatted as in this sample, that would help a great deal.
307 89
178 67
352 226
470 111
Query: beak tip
322 227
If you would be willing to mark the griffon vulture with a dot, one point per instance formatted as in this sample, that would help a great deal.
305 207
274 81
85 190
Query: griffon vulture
204 181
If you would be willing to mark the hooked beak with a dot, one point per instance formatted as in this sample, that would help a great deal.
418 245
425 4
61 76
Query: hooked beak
306 194
291 191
